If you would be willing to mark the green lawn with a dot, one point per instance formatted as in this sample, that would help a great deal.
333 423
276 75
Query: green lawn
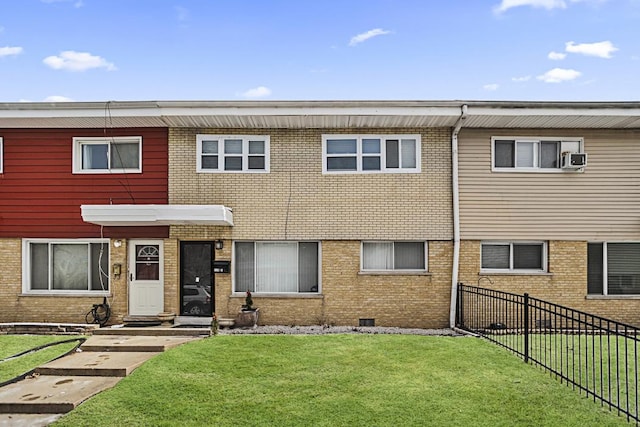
11 345
339 380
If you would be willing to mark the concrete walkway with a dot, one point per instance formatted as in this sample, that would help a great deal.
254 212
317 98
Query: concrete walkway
109 355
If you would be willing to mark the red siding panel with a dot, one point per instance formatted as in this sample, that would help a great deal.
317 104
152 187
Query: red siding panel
41 197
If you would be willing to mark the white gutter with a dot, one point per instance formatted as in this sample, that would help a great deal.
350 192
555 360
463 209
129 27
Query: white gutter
456 216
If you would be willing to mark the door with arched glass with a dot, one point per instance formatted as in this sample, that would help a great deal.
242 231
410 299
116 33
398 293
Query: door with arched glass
146 281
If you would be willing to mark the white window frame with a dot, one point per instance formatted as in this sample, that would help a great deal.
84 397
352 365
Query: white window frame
79 142
26 267
359 155
393 269
1 155
511 269
245 153
298 293
566 144
605 269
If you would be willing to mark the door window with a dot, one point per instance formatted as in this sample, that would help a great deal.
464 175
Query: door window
147 262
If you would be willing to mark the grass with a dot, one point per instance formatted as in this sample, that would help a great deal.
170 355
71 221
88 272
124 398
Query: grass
13 344
339 380
598 363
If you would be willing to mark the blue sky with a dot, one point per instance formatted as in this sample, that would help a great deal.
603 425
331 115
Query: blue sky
523 50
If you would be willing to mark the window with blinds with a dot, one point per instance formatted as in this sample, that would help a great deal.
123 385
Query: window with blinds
277 267
393 256
613 268
514 256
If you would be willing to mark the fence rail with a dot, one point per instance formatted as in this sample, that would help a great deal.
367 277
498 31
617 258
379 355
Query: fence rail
595 355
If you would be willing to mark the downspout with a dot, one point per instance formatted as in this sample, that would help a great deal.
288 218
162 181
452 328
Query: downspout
456 215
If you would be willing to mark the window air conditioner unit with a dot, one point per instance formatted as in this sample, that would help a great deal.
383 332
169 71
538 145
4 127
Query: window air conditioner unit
574 160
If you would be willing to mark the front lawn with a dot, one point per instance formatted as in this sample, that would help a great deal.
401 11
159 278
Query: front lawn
339 380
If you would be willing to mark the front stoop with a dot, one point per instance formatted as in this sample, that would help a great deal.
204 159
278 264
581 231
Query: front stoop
104 359
155 331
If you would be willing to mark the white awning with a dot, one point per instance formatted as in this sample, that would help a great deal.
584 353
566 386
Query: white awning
148 215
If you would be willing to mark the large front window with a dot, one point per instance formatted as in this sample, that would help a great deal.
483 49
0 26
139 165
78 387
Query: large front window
380 256
531 154
613 268
371 153
66 266
232 153
276 267
107 155
520 257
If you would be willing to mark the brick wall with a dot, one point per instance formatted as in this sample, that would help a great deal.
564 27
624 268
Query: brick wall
19 307
296 201
565 284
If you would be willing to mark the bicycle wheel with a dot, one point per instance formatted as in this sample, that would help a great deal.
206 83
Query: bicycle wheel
101 314
89 317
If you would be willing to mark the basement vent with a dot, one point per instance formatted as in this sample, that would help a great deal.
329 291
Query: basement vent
367 322
543 324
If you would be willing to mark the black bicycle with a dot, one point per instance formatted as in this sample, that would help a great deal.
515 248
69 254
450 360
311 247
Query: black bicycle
99 313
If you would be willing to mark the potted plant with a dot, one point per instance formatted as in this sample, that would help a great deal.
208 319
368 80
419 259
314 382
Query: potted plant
248 303
248 315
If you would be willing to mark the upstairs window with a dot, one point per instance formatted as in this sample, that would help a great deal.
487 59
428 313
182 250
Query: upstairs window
613 268
371 153
517 257
390 256
107 155
531 154
233 153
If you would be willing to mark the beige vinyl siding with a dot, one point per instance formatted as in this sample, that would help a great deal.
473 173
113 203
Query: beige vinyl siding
295 200
602 203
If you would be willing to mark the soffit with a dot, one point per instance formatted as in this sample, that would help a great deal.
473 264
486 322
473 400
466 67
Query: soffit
320 114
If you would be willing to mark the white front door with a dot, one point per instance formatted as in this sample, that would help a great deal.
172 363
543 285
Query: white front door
146 281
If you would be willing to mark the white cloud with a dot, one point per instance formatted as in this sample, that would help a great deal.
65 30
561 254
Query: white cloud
76 3
556 56
545 4
521 79
600 49
10 50
491 86
558 75
257 92
77 61
366 36
57 98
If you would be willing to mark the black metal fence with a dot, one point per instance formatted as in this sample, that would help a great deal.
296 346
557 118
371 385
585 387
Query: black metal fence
597 356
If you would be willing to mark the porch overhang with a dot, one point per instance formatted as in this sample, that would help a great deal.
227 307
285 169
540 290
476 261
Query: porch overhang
153 215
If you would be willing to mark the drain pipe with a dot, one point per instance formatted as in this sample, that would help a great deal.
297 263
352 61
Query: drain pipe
456 215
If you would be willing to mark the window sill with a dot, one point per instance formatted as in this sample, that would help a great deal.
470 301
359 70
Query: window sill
515 273
66 295
613 297
393 273
307 295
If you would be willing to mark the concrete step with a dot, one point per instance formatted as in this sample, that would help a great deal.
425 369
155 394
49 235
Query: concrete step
138 343
96 364
155 331
51 394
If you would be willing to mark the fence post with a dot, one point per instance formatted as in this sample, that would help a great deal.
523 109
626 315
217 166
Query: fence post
460 307
526 327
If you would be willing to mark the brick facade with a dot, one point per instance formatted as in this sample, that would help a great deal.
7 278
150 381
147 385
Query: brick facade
564 284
